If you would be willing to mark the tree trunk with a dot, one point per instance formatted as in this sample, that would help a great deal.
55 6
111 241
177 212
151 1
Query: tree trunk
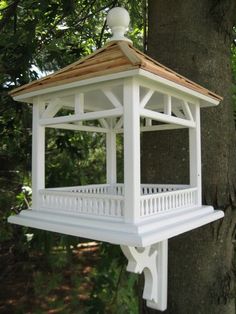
194 39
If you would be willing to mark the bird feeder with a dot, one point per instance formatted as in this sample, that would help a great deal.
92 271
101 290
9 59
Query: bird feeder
123 91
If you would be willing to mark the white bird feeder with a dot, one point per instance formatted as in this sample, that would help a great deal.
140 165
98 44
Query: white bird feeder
127 92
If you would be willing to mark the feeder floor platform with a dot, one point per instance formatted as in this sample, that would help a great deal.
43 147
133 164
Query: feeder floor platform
146 232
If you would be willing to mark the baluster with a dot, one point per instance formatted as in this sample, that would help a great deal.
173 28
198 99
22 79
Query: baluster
185 198
156 205
96 207
118 209
153 205
182 199
169 202
141 207
162 203
106 207
144 207
173 201
83 205
122 207
113 207
149 206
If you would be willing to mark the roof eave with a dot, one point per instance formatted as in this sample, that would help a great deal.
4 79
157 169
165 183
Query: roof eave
205 101
28 96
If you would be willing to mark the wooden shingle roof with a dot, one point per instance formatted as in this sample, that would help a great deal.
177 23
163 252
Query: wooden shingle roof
115 57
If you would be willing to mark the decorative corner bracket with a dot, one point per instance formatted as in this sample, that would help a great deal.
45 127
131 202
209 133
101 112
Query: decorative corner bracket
153 261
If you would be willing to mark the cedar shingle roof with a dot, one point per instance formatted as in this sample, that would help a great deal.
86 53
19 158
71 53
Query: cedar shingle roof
115 57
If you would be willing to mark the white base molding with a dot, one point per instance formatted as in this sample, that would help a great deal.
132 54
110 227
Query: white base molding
153 261
146 232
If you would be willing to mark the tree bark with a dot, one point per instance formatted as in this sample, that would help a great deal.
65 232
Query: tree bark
194 39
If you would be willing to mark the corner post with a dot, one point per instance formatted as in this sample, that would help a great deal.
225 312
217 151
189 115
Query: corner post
131 151
111 154
38 153
195 154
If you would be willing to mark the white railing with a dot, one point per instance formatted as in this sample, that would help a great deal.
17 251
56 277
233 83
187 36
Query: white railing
82 203
114 189
108 200
166 201
159 188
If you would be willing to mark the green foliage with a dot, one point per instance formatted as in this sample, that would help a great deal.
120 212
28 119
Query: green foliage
113 287
74 158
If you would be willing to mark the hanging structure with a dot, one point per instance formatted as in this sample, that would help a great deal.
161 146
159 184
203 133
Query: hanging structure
127 92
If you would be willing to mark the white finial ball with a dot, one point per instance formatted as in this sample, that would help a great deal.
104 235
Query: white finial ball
118 17
118 20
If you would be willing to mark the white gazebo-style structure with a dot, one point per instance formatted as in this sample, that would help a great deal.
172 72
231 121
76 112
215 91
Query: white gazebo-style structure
123 91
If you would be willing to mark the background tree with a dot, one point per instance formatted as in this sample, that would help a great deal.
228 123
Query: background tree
195 38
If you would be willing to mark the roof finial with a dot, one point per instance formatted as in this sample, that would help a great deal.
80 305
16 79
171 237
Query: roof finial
118 20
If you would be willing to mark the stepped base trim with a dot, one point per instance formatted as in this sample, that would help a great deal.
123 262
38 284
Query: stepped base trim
146 232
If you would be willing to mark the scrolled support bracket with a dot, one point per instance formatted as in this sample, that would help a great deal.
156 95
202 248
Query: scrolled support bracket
153 261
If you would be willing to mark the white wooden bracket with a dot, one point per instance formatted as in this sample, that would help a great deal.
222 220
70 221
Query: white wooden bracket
153 261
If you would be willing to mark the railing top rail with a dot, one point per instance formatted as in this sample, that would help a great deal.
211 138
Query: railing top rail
88 195
161 194
165 185
77 187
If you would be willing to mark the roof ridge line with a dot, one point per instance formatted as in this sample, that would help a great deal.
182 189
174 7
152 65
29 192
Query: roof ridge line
129 53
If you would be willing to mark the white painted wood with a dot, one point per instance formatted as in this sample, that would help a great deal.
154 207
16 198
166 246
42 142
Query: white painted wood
79 106
178 89
52 109
165 118
148 122
195 154
76 127
104 123
187 111
164 201
152 128
111 155
112 97
118 20
116 231
85 85
153 80
79 103
167 105
146 98
83 117
152 261
131 151
38 153
161 127
177 111
119 124
162 276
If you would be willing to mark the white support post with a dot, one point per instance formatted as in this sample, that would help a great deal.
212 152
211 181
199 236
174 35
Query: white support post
167 105
111 154
38 153
131 151
79 105
195 154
